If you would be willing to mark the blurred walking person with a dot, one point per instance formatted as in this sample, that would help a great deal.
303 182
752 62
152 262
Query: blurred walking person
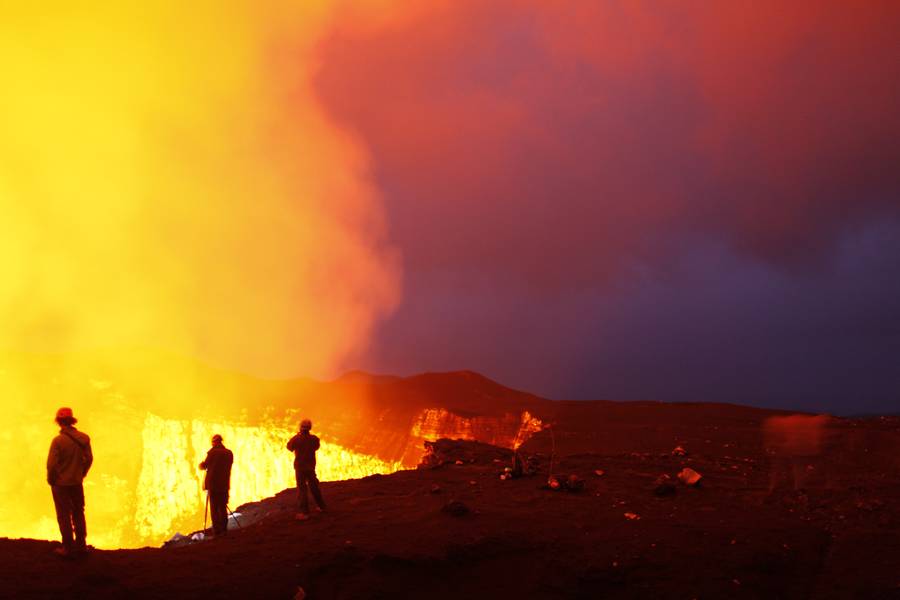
304 446
217 483
68 463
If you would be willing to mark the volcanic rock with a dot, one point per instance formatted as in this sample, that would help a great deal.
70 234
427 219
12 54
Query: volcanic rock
456 508
527 543
689 477
663 486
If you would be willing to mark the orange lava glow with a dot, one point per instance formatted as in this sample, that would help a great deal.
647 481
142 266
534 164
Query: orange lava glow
510 431
170 486
145 485
168 181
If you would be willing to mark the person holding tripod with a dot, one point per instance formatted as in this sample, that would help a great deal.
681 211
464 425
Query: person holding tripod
217 483
304 446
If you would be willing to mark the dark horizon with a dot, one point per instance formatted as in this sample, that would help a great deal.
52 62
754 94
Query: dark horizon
774 405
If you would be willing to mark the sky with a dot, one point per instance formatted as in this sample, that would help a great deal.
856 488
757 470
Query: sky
672 200
677 201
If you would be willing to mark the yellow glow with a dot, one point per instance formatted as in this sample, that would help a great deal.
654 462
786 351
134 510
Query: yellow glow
167 180
170 488
509 431
145 484
167 177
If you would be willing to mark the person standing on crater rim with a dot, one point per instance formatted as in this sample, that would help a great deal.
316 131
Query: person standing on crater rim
217 483
304 446
68 463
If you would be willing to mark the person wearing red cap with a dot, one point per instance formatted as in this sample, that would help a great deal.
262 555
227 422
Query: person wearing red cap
68 463
217 483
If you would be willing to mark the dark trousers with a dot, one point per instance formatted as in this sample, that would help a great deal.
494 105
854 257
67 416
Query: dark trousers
306 478
69 503
218 511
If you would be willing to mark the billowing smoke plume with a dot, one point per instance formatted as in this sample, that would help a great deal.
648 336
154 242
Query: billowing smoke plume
164 182
588 193
558 143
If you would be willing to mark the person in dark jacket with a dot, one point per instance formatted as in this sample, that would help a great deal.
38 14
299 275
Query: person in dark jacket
68 463
217 483
304 446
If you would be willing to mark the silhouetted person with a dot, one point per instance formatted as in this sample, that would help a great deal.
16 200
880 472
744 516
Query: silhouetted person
217 483
304 446
68 463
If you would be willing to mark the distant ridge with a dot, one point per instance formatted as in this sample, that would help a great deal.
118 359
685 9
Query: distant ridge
357 376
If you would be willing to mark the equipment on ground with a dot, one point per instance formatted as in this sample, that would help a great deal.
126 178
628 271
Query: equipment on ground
233 516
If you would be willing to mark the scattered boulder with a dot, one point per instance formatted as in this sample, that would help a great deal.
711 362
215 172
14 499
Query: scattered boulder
436 489
663 486
459 452
177 540
679 451
573 483
632 516
599 472
456 508
690 477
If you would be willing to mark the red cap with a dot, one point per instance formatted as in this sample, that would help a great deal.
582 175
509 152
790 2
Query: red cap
64 412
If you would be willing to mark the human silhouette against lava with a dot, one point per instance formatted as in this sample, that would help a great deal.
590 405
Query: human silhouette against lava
68 463
217 483
304 446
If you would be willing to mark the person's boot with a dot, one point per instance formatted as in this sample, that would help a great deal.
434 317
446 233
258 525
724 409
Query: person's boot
63 551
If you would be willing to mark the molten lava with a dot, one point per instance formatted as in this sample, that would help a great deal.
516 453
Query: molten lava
169 490
151 418
509 431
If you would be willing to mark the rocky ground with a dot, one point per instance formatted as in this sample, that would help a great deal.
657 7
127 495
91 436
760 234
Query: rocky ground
457 530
